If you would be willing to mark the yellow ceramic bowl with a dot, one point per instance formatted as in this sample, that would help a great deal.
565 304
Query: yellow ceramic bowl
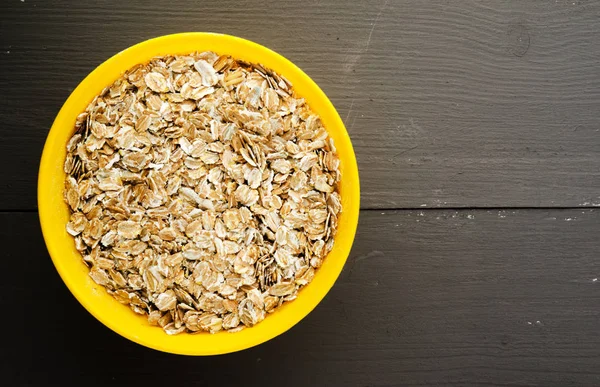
54 212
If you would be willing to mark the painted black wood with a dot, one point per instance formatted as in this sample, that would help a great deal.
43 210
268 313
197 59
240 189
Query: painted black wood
437 297
449 104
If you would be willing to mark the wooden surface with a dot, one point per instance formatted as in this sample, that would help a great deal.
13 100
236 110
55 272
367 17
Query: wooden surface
430 297
449 104
488 111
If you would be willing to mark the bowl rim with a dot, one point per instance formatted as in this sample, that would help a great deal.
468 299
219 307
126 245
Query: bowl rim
86 292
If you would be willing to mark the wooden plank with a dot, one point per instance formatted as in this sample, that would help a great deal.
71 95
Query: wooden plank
449 104
427 298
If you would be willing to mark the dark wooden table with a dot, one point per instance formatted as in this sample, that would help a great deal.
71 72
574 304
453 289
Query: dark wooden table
477 130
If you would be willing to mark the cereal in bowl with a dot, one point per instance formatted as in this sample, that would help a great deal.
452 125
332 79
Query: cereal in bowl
203 192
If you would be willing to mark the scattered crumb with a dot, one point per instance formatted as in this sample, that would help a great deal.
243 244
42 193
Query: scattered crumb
595 280
423 205
590 203
470 216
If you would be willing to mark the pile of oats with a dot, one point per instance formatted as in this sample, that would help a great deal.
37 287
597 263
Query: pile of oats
203 192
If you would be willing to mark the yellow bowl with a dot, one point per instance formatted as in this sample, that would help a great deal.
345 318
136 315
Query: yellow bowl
54 213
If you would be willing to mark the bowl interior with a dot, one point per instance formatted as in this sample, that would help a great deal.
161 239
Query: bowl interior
54 212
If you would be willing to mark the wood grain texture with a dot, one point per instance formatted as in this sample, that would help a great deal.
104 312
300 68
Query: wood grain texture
439 297
449 104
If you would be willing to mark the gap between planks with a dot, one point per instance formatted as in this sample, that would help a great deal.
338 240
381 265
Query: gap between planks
29 210
478 208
